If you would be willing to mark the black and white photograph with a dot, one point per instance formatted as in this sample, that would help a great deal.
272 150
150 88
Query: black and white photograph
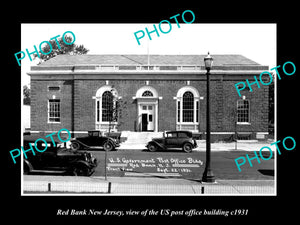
148 118
177 114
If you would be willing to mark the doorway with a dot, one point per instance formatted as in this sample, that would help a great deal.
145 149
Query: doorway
144 122
147 117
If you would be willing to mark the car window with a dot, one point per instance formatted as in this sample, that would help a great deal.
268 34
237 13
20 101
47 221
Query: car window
182 135
93 134
170 135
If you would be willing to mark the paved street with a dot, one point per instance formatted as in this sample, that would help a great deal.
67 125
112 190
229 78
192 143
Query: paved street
139 172
175 163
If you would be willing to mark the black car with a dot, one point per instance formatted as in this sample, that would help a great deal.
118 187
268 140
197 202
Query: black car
94 140
57 160
173 139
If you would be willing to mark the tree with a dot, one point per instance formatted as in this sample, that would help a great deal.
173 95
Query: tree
63 48
115 110
26 95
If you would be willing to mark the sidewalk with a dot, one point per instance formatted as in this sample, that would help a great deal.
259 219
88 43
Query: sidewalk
142 186
220 146
139 140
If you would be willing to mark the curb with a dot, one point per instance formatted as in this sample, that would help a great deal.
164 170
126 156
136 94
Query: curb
147 186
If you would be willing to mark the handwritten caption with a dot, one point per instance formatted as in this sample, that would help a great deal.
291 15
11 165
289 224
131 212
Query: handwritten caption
153 212
158 164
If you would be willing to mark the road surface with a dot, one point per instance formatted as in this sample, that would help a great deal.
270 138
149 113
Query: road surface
177 164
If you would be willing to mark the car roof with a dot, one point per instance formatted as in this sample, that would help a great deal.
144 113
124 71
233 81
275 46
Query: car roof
180 131
188 133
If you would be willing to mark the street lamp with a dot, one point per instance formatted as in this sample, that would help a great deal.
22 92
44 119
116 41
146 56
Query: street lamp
208 174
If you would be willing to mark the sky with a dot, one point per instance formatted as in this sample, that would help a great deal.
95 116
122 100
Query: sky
254 41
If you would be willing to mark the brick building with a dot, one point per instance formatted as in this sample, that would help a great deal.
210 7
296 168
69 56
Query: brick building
155 93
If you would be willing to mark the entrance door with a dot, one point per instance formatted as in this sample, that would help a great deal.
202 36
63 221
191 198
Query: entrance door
144 122
147 116
150 118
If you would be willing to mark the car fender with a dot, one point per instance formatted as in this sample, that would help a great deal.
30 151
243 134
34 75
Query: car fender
91 167
189 142
81 143
25 161
111 140
157 144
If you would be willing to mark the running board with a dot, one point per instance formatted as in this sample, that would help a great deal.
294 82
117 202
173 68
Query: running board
48 171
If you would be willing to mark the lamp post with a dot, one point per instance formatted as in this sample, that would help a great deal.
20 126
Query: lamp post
208 174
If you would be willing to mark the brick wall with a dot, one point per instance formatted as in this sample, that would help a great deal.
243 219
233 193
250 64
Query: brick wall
39 104
223 104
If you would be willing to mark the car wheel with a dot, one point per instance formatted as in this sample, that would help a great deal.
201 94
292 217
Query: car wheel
187 147
108 146
152 147
75 146
81 170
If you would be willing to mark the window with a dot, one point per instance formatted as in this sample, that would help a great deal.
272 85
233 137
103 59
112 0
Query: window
98 111
107 106
54 110
197 111
188 107
178 111
243 111
147 94
53 88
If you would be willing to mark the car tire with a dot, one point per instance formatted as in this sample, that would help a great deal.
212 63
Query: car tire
152 147
81 170
108 146
75 146
187 147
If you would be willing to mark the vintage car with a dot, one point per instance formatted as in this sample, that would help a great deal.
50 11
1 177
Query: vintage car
173 139
57 160
94 140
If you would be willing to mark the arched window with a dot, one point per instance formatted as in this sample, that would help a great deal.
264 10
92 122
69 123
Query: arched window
107 106
106 102
188 107
147 94
146 91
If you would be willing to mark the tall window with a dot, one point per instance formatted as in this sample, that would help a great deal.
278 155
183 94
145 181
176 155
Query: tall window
178 111
188 107
54 110
243 111
107 106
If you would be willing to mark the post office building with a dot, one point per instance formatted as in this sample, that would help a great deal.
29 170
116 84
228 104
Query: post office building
147 93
